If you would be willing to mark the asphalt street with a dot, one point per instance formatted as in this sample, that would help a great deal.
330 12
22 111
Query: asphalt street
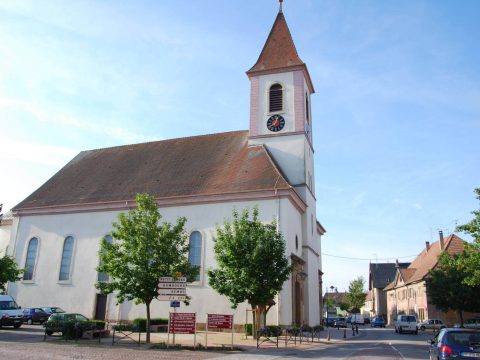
373 344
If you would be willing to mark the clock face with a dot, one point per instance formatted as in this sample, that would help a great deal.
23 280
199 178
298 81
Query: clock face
275 123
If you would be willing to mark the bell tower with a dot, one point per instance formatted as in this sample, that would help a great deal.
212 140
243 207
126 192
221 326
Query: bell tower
280 113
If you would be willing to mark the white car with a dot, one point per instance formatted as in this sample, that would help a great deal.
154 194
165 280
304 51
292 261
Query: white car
406 323
10 313
432 324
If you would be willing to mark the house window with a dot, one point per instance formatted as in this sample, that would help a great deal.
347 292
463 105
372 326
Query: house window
101 275
66 264
30 259
276 98
296 242
307 108
195 251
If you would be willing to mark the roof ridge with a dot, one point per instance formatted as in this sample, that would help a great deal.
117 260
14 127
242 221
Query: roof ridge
165 140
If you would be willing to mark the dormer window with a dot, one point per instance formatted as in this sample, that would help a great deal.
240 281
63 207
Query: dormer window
276 98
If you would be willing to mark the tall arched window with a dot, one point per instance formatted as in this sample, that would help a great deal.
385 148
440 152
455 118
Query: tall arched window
30 259
307 108
195 251
66 264
276 98
101 275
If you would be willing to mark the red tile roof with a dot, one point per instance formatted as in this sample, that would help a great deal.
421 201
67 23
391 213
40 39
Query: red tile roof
201 165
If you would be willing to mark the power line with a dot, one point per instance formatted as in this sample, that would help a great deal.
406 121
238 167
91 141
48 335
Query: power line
368 259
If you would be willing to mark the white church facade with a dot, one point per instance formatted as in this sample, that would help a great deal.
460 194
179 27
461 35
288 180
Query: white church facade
57 230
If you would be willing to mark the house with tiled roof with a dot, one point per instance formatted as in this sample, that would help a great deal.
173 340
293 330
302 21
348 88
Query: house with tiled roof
408 292
380 275
57 230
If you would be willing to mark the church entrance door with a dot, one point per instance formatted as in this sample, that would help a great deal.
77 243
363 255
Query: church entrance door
101 308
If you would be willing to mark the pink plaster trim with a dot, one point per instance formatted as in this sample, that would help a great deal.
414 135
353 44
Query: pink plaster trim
299 100
302 68
290 194
284 134
254 91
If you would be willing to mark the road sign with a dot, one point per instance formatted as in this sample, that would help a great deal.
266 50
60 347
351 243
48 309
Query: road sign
182 323
172 292
219 321
175 304
169 279
171 297
170 288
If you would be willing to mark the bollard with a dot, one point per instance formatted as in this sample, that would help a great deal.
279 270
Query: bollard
353 331
356 328
328 337
345 333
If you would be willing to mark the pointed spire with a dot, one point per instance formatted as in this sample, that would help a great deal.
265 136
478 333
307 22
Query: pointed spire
280 3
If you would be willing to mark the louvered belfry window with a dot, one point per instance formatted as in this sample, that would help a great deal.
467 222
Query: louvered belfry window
276 98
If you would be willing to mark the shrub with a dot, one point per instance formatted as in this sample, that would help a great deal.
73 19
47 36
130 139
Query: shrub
248 329
141 323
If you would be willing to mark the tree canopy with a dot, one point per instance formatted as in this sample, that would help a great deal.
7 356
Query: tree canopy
143 251
446 286
355 296
471 258
8 271
252 264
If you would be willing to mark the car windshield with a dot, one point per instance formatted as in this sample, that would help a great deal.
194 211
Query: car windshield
57 310
341 319
465 338
8 305
408 318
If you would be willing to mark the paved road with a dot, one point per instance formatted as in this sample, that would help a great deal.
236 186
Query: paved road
381 344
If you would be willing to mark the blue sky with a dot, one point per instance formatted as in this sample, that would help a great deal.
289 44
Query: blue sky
396 112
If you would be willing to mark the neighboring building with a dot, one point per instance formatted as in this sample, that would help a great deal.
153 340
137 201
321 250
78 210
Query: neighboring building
57 230
367 309
338 299
380 275
408 294
5 230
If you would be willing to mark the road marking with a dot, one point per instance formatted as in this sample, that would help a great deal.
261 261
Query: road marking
398 351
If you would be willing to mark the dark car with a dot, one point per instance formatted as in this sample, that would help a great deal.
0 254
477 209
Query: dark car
378 322
340 322
52 310
329 321
34 315
56 322
454 343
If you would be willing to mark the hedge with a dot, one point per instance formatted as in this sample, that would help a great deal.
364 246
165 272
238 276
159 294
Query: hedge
141 323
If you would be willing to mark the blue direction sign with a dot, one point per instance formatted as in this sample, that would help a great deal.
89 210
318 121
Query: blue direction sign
175 304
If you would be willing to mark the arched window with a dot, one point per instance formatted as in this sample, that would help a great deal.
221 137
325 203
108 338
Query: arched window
296 242
30 259
307 108
66 264
195 250
276 98
101 275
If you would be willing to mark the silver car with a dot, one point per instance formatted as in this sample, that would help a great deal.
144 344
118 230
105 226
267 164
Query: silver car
432 324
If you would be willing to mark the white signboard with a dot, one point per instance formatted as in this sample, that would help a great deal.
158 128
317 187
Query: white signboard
171 297
170 288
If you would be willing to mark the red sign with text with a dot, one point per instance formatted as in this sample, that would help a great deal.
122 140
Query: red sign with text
182 323
219 321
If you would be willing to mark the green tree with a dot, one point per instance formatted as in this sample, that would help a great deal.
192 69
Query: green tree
446 287
355 296
143 252
8 271
252 265
471 258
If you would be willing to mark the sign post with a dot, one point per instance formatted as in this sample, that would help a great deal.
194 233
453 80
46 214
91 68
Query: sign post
182 323
219 321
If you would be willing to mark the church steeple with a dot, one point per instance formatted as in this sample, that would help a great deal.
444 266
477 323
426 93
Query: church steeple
279 53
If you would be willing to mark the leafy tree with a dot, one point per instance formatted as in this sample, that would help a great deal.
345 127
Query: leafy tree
446 286
471 258
8 271
144 251
355 296
252 265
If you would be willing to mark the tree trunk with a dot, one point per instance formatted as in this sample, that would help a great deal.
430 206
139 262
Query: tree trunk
148 323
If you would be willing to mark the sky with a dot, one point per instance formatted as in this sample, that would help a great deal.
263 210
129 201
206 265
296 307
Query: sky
396 113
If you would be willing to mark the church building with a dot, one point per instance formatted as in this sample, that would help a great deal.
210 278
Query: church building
56 231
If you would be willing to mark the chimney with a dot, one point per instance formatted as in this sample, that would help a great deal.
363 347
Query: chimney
427 245
442 243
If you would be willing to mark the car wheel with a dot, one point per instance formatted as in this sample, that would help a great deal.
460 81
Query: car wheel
396 330
422 328
29 321
16 326
399 330
49 332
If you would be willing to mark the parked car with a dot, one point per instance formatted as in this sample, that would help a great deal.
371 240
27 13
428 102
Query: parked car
52 310
469 324
367 320
432 324
453 343
34 315
10 313
406 323
340 322
378 322
56 322
329 321
349 320
358 319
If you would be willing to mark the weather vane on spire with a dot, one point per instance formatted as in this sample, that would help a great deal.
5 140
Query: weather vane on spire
280 9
